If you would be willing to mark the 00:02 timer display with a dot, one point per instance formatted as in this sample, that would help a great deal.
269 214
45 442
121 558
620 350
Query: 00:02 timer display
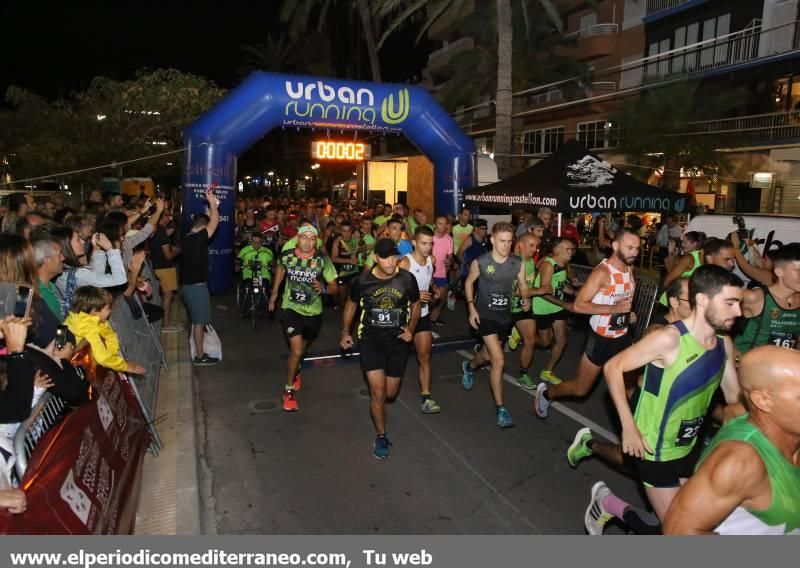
326 150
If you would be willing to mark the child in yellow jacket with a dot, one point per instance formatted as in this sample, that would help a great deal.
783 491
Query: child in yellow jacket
88 319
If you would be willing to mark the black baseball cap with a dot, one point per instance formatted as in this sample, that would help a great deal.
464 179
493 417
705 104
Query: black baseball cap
385 248
480 224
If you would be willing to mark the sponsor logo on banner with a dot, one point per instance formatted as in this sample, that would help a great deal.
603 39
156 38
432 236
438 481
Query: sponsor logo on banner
323 105
84 474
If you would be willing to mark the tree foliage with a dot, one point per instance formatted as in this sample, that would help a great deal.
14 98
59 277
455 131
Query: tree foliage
111 121
656 131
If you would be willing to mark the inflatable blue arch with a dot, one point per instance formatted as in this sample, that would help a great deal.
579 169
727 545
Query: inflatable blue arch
267 100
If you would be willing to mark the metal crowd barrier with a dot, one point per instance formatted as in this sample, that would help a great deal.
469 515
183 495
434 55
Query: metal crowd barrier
47 412
139 341
643 300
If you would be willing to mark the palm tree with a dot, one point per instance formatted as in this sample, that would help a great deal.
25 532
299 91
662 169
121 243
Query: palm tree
277 54
405 11
300 13
502 128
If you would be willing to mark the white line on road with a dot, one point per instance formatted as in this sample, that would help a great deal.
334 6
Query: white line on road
565 410
469 466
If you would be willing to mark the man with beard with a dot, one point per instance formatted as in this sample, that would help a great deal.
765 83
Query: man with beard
608 297
685 363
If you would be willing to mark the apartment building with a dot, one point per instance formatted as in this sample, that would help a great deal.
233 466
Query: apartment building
633 47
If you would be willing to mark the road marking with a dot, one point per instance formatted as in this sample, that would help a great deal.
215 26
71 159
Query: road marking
565 410
469 466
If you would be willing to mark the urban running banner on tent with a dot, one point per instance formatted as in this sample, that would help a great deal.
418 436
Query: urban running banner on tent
572 179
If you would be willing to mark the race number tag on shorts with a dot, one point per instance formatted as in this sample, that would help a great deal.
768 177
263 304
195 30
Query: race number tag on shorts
300 296
347 268
498 302
782 339
688 431
618 322
385 318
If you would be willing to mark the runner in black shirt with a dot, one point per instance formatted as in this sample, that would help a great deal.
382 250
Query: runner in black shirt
389 300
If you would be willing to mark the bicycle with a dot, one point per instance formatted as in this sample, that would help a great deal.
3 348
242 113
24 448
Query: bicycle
254 299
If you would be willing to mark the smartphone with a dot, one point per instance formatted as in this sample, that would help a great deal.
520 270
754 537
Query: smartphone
61 337
22 304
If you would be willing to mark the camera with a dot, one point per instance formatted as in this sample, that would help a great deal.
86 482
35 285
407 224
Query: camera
742 231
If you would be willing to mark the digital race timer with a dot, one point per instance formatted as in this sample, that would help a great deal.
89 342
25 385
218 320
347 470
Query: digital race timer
330 150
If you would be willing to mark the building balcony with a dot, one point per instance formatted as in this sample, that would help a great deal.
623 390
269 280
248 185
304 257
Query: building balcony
745 48
657 9
599 40
754 130
439 60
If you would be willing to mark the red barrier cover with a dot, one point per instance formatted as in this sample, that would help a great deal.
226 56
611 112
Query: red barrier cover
85 473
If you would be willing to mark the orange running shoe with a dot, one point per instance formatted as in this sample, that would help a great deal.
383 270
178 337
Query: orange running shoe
296 383
290 401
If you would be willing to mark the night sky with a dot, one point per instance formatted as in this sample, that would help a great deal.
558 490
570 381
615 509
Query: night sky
54 48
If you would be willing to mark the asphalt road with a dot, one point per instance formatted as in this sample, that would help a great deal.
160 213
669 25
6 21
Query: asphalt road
312 472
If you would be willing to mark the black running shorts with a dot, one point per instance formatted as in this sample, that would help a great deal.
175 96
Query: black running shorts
424 324
385 352
297 324
521 316
665 473
545 321
500 328
600 350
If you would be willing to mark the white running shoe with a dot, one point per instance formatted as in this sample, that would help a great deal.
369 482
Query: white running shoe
596 515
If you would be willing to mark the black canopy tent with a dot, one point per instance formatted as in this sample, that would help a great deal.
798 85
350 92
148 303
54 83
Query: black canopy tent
573 179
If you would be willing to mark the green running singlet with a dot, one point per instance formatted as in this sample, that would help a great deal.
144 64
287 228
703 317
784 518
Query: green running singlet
540 305
697 264
530 276
674 400
774 325
783 514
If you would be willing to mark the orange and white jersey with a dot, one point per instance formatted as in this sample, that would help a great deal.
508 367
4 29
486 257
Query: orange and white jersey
621 286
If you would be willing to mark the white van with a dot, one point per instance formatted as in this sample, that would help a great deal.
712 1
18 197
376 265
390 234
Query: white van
769 231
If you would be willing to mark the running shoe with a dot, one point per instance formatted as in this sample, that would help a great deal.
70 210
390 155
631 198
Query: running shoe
579 449
541 406
504 418
438 322
466 380
289 401
430 407
204 361
513 341
549 377
596 515
381 450
435 335
297 382
526 382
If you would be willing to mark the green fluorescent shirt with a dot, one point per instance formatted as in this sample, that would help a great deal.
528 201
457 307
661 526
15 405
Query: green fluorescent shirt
299 294
50 296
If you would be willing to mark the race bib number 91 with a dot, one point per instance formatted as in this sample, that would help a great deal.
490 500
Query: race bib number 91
385 318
